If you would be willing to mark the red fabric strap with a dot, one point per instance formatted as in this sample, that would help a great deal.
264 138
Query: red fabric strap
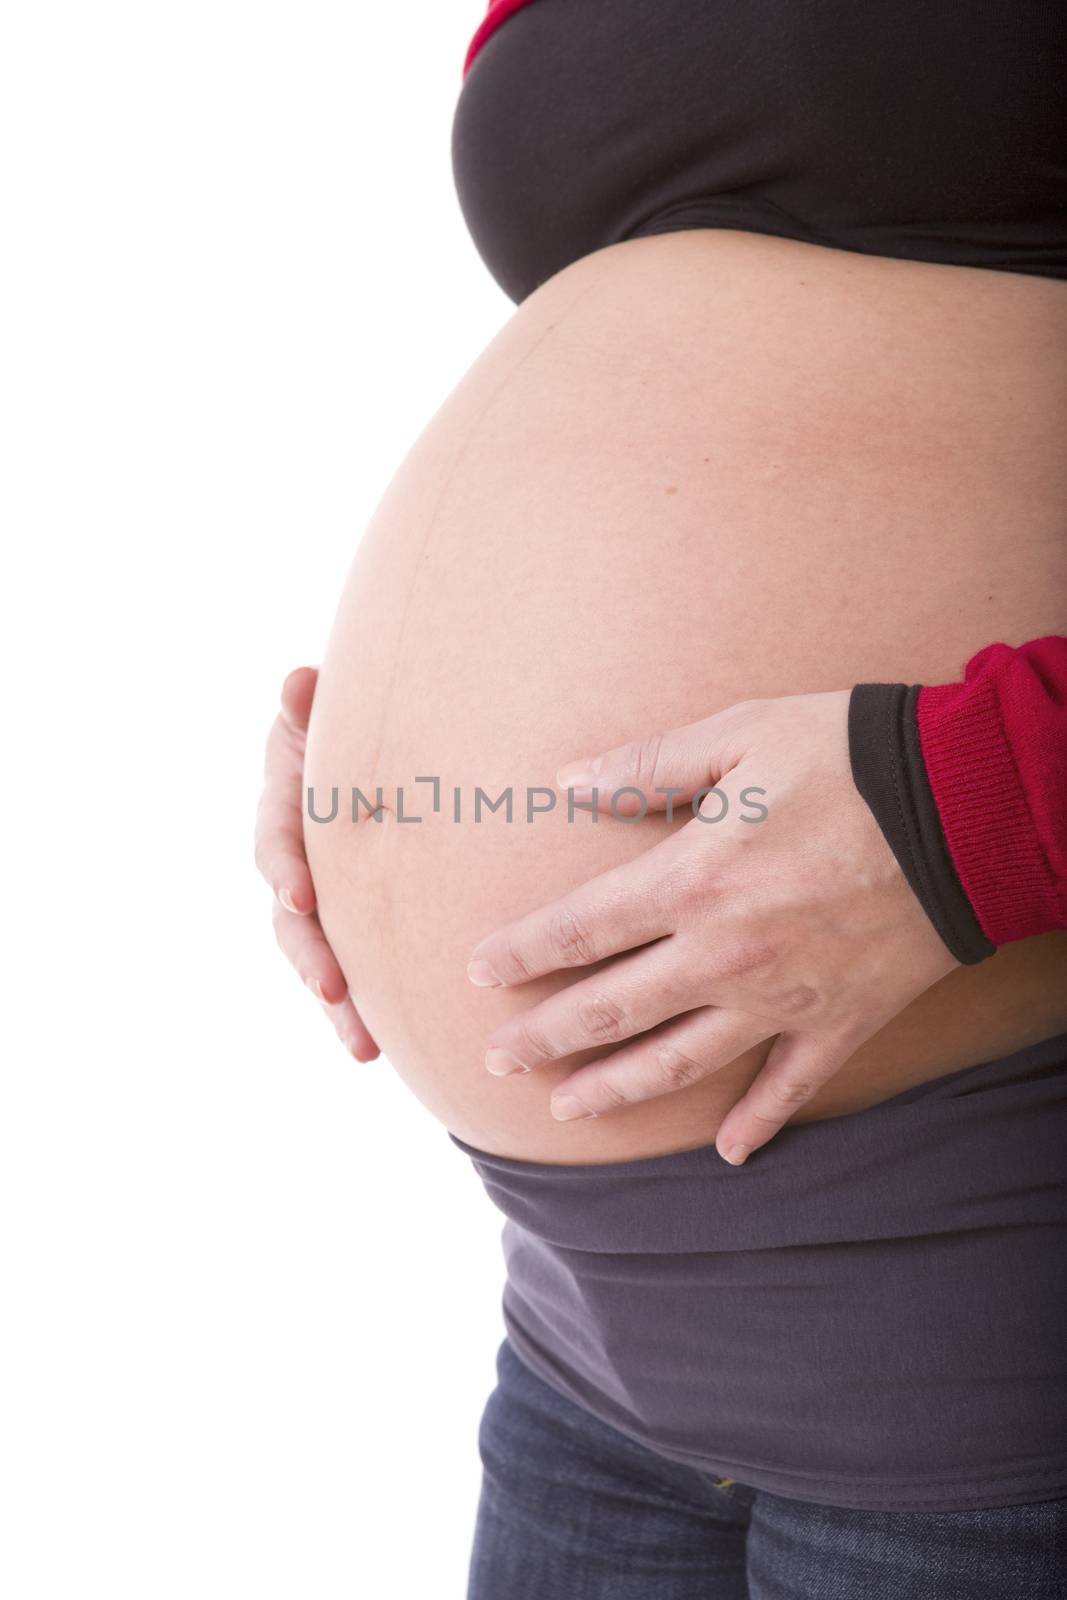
995 751
496 14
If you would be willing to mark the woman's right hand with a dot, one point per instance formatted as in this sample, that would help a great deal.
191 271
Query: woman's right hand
281 858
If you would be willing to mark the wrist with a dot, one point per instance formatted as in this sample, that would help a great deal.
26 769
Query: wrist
888 770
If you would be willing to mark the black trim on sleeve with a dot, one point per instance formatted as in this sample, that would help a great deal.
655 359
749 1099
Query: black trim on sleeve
890 774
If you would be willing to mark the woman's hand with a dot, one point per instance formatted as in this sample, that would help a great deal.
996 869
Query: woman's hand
777 911
281 859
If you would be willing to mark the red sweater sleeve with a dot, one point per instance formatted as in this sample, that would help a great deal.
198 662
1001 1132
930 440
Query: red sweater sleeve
995 752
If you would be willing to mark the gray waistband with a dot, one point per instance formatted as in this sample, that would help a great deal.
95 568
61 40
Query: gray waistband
871 1312
982 1146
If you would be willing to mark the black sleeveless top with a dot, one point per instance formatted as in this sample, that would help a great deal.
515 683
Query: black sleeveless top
936 132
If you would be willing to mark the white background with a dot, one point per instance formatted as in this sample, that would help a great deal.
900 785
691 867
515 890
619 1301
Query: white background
251 1291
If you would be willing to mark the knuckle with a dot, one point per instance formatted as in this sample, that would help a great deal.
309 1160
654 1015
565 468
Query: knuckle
684 888
758 956
675 1068
751 960
788 1093
741 711
511 963
645 760
569 940
610 1096
799 1001
601 1019
533 1043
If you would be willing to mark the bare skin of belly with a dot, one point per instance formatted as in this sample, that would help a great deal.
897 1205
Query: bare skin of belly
691 470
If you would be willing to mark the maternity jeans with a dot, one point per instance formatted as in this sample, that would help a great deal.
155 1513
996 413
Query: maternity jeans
572 1509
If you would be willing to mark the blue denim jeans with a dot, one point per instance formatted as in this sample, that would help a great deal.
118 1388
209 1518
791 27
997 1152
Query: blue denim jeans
572 1509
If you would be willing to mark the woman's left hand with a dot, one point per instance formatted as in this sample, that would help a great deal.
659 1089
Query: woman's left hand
777 911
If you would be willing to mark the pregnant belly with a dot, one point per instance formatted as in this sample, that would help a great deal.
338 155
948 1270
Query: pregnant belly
691 470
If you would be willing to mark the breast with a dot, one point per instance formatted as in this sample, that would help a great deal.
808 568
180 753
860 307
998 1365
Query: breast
691 470
918 132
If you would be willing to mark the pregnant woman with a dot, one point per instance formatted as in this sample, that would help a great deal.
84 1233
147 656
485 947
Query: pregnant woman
753 1017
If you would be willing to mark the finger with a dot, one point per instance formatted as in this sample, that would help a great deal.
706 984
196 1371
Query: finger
626 997
689 1049
620 909
660 770
284 757
279 832
305 946
280 858
352 1031
796 1068
298 691
279 855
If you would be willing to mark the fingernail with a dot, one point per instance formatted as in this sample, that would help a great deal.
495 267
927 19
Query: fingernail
565 1108
575 778
481 973
736 1154
316 988
287 901
500 1063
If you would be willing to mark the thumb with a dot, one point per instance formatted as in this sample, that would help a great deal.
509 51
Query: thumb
656 771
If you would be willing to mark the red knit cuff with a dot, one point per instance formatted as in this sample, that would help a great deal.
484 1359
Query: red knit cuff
995 751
